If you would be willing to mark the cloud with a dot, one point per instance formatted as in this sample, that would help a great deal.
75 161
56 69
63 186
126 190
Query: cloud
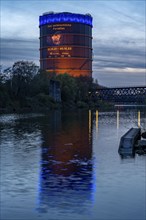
119 62
118 54
19 49
114 64
19 23
119 79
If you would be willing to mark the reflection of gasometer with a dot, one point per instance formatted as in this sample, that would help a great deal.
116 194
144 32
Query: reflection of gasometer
56 38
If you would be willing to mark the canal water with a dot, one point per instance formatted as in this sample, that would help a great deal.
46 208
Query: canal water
65 165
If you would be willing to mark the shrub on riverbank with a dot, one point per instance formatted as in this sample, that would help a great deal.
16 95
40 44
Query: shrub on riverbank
24 86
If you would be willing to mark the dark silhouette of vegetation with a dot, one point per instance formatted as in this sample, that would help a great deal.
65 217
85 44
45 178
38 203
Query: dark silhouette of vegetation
25 86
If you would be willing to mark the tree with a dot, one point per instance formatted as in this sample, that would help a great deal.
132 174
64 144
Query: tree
40 83
22 72
84 84
68 87
4 96
1 76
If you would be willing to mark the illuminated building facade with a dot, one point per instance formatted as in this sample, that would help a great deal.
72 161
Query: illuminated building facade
66 43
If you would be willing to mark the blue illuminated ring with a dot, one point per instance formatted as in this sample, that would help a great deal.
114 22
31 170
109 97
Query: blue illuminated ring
65 17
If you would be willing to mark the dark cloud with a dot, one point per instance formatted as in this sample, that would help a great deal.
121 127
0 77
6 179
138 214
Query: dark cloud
119 62
110 63
13 50
123 54
107 54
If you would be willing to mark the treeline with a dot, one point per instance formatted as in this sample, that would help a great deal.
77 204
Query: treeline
24 86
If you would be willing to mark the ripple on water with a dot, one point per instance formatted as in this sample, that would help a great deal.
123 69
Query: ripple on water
45 176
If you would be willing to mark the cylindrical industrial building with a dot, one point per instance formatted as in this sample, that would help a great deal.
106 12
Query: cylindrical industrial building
66 43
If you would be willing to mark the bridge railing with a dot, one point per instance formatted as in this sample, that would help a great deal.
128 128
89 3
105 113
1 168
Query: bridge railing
125 94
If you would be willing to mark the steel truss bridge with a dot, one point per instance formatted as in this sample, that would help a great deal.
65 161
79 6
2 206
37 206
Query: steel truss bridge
120 95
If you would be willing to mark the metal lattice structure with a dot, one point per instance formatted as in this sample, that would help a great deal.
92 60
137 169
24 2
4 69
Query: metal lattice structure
120 95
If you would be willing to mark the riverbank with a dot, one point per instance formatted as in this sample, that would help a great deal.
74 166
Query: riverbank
55 106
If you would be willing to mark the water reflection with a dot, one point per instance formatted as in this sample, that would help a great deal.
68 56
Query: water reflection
139 119
97 121
71 184
134 115
66 161
118 119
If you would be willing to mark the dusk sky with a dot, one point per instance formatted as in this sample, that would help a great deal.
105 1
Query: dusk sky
119 35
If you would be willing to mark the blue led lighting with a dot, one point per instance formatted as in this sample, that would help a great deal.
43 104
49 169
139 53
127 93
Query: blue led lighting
65 17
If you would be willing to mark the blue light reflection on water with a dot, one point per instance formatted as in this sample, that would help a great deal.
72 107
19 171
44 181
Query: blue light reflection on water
66 169
63 166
